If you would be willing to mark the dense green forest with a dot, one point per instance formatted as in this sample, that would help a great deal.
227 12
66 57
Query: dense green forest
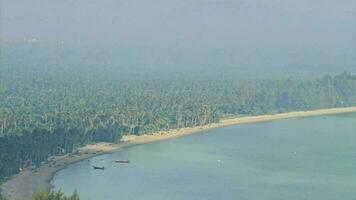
49 106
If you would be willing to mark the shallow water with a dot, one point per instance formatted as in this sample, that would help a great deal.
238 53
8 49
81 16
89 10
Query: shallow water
306 158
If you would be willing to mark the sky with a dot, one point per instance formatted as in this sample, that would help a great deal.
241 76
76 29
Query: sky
267 34
184 22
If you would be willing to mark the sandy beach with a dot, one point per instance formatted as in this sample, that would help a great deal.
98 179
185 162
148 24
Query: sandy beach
29 180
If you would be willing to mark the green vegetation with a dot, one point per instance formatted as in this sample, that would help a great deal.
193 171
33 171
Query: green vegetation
2 198
53 195
50 107
44 195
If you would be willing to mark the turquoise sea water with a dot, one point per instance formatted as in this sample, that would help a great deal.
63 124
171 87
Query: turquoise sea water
306 158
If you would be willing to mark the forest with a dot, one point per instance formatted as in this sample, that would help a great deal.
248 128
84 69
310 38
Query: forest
50 106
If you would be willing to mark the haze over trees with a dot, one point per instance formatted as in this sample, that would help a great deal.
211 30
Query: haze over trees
152 66
50 106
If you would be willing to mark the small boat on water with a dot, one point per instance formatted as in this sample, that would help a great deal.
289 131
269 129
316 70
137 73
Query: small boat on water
122 161
95 167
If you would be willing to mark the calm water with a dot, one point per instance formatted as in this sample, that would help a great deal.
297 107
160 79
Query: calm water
309 158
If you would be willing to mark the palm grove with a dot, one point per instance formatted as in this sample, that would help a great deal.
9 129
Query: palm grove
46 112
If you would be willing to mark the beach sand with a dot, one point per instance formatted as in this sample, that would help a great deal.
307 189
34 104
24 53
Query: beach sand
30 180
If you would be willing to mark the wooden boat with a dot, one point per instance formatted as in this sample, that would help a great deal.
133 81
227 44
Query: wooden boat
95 167
122 161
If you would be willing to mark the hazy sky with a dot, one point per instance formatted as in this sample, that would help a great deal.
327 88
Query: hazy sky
183 22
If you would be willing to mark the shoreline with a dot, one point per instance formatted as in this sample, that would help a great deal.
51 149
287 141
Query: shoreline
30 180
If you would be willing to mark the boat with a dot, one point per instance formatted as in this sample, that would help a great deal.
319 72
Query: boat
122 161
95 167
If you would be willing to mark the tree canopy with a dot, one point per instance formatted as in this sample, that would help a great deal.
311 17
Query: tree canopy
50 107
45 195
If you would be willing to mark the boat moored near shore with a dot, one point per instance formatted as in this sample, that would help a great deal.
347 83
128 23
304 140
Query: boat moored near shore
96 167
122 161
